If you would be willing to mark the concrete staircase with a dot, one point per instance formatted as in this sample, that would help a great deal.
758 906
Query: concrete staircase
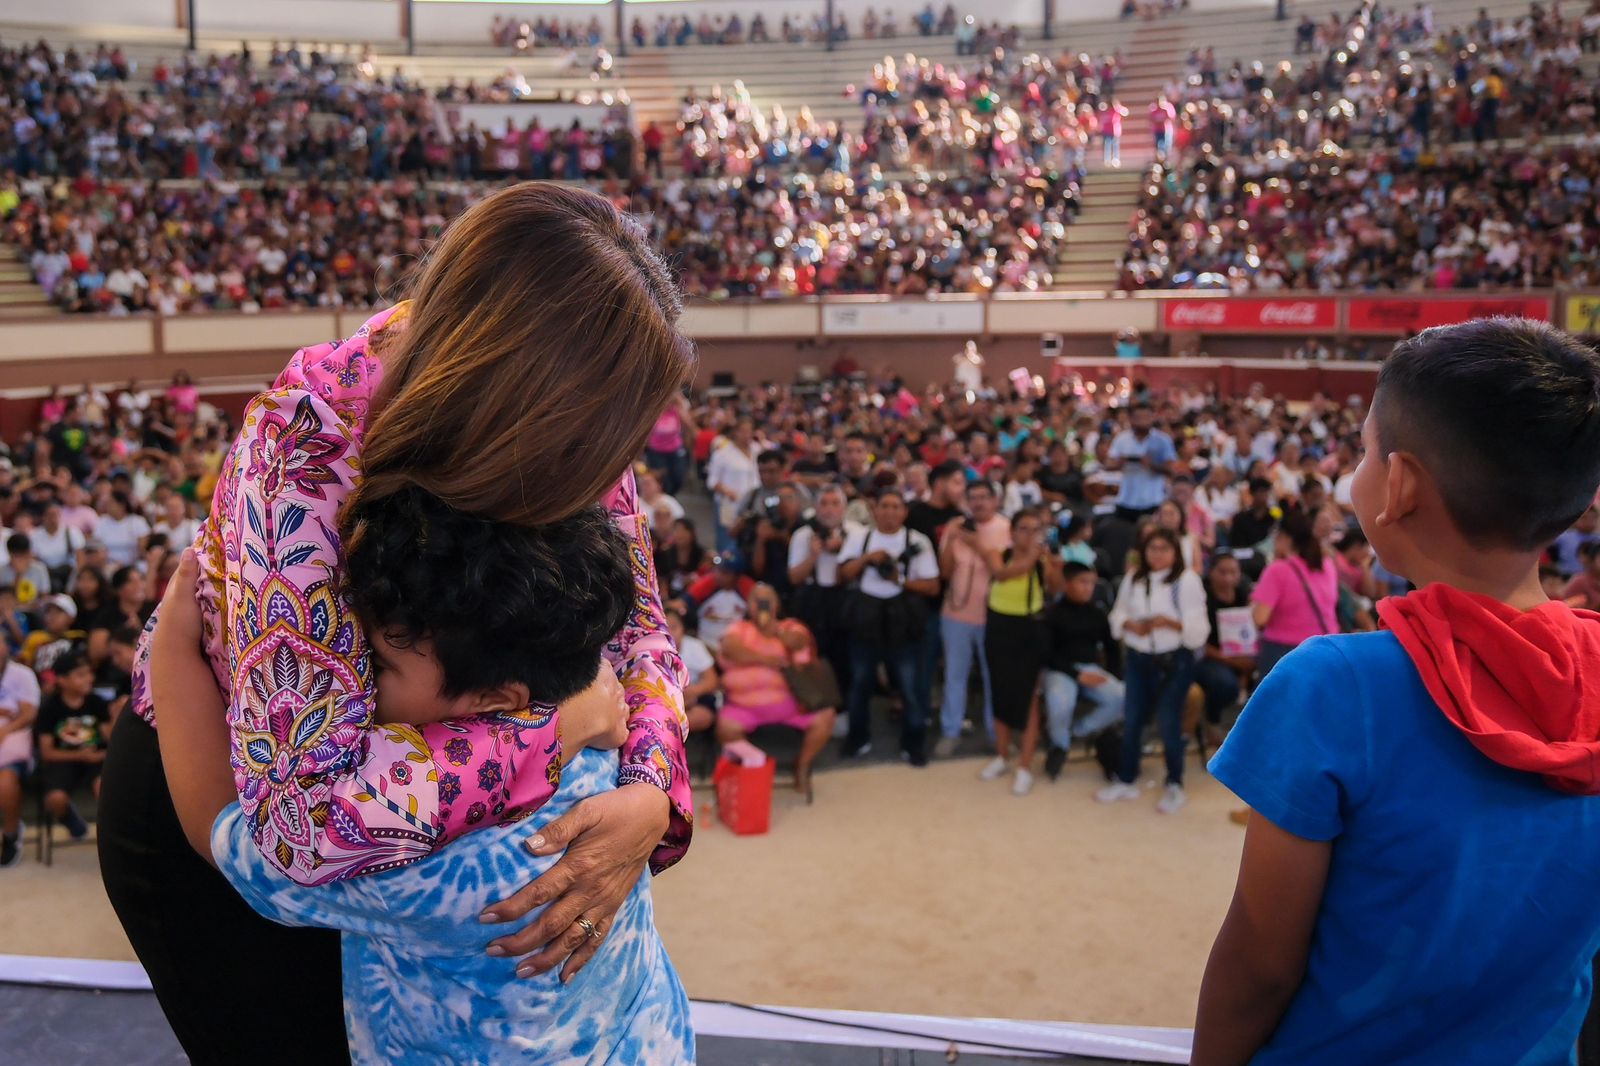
20 297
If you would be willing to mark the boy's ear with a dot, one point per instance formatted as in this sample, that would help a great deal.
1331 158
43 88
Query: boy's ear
1402 487
503 699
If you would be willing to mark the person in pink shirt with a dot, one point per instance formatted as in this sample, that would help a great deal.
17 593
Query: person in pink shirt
182 394
965 614
1111 118
1297 597
753 655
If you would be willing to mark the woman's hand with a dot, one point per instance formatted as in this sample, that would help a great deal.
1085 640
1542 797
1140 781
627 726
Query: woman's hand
608 839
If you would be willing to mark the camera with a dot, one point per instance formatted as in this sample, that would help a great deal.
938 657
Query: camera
769 505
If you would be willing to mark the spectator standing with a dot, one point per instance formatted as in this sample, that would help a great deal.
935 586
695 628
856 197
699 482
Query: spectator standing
1297 597
667 450
731 476
1017 642
964 549
819 592
1160 615
1145 456
892 566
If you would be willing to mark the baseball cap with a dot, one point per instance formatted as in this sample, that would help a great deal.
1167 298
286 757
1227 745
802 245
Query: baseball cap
62 603
729 561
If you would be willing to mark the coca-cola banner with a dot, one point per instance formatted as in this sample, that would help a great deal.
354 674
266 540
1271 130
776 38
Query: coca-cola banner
1400 314
1315 314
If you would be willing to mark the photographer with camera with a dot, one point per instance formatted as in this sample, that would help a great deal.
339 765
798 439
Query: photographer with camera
894 568
819 591
781 515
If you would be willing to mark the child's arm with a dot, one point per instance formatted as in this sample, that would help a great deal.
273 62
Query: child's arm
194 725
1260 955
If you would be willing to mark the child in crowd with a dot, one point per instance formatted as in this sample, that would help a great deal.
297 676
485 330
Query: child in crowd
72 728
1081 663
44 646
14 625
1418 877
19 706
25 573
468 618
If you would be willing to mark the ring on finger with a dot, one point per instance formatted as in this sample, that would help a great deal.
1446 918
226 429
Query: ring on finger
589 929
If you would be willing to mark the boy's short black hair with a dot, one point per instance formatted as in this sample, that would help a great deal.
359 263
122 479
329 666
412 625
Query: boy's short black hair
1259 485
502 604
948 468
1505 415
125 635
1072 568
18 544
70 660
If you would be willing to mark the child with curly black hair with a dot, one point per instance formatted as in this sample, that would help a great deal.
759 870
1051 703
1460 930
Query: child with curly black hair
466 619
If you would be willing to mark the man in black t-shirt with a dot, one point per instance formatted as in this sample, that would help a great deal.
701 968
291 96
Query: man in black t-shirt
72 729
947 486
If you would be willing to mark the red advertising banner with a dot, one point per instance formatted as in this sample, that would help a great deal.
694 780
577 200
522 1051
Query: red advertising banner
1315 314
1401 314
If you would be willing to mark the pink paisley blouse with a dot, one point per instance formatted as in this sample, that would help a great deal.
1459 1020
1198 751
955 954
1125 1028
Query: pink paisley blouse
327 792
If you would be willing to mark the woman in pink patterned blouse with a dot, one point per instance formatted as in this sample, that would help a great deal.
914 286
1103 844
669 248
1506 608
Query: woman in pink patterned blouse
517 385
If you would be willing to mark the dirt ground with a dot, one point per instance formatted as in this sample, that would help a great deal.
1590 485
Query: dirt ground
919 891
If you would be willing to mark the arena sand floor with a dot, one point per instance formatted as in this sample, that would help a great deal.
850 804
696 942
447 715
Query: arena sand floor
927 892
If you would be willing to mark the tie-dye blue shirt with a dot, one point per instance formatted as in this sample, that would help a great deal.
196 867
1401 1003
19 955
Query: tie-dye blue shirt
418 987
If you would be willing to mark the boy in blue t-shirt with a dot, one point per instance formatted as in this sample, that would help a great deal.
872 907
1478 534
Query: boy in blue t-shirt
1419 884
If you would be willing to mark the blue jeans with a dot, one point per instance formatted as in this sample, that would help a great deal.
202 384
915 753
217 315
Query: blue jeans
1061 694
1220 683
674 467
1152 690
963 645
725 539
902 664
928 651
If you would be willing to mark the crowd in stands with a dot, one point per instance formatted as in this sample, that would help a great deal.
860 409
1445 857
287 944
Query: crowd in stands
798 236
1377 122
1461 220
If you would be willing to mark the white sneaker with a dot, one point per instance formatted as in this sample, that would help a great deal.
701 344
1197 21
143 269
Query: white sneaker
994 769
1023 783
945 748
1172 800
1116 792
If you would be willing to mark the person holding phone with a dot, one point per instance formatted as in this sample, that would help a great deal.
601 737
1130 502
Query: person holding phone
1146 457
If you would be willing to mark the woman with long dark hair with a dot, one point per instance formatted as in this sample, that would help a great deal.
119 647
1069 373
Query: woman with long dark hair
1160 616
508 390
1297 597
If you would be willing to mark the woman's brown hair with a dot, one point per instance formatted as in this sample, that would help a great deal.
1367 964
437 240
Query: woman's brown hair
539 349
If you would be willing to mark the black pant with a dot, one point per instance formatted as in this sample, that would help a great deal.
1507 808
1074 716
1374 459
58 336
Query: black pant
235 987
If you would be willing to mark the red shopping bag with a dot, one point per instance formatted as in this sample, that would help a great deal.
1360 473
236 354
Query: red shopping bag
744 794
